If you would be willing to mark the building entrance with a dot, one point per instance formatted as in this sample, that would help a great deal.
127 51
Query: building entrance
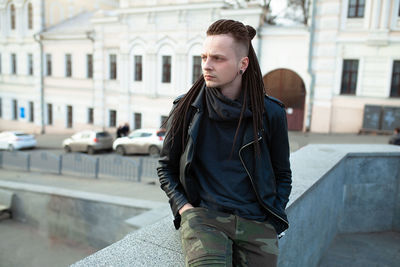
289 88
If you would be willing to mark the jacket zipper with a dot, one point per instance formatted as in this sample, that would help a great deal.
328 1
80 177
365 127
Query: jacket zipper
252 182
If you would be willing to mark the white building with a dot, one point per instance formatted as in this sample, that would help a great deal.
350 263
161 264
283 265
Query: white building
104 65
356 45
21 87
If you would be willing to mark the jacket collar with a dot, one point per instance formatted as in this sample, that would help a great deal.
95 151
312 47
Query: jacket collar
198 102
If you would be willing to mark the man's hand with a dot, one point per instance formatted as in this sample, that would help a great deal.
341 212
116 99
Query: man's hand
185 207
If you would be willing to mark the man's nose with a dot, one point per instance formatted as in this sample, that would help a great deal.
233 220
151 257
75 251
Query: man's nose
207 64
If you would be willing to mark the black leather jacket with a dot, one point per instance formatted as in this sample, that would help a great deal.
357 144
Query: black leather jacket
269 172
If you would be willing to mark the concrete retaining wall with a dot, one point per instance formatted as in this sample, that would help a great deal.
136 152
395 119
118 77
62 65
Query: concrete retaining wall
336 188
357 195
91 219
370 194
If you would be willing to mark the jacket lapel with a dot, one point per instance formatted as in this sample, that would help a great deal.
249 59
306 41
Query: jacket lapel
194 124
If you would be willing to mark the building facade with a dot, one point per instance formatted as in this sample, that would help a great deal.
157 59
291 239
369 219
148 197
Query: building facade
355 61
100 64
23 91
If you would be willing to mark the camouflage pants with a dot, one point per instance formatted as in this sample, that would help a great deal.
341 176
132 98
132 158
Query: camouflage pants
211 238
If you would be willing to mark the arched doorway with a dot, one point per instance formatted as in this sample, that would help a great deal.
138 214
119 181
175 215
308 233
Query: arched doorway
289 88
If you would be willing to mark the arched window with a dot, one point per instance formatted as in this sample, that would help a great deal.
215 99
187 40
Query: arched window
12 17
30 16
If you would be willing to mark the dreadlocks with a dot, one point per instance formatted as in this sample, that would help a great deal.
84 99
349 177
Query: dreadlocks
252 84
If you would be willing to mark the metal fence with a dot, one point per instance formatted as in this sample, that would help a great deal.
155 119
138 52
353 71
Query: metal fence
45 162
118 166
112 166
80 164
149 167
15 160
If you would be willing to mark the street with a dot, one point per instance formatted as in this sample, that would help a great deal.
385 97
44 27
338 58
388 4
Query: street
53 142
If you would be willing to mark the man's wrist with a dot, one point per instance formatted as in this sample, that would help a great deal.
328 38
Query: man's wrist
185 207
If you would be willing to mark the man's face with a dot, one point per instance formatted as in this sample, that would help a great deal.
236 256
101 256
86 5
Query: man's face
220 60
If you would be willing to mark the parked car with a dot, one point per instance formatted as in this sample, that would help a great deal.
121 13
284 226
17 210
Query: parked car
88 141
143 141
13 140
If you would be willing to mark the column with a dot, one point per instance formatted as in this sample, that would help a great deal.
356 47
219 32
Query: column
385 15
20 20
376 14
151 74
3 21
179 73
98 80
123 74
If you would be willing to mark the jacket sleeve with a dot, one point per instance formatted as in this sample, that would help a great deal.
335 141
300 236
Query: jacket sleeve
168 173
279 149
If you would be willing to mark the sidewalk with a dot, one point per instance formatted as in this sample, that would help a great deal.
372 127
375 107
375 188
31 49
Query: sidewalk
298 139
143 191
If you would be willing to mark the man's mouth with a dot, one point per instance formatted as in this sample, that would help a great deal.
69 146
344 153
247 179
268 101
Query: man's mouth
208 77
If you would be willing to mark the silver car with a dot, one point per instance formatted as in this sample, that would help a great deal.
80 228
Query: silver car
88 141
141 141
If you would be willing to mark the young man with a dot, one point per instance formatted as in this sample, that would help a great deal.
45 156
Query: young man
225 161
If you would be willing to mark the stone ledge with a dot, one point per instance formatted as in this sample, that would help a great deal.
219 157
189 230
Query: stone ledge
103 198
155 245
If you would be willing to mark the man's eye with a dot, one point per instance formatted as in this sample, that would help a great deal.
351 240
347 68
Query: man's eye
203 58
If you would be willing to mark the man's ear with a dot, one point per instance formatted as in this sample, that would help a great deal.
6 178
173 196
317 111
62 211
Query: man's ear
244 63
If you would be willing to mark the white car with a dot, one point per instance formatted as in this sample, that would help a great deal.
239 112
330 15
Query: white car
14 140
142 141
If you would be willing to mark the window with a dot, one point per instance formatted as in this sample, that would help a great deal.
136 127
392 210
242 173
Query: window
12 17
31 112
68 65
196 68
135 135
356 9
15 109
69 117
138 120
13 64
163 120
113 118
113 67
48 65
102 134
395 87
90 116
349 77
138 68
89 66
30 16
0 65
50 114
1 108
145 134
30 64
166 69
